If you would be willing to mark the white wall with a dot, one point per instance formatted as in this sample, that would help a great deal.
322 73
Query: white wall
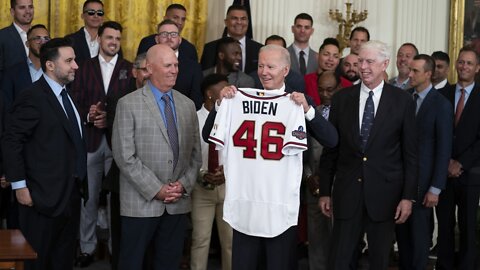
422 22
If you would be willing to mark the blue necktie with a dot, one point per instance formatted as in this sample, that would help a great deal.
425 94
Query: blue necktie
171 128
77 138
367 120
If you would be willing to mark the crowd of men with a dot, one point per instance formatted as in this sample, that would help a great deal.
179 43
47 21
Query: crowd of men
348 153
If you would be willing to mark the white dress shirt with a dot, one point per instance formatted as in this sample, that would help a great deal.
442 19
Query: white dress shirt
377 94
107 70
93 45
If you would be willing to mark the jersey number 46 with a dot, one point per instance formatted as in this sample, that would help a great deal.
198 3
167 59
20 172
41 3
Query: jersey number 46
270 145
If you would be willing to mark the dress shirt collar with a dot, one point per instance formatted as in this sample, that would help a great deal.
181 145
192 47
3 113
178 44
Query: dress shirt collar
35 74
55 86
377 91
424 93
468 89
297 51
402 85
441 84
112 62
159 94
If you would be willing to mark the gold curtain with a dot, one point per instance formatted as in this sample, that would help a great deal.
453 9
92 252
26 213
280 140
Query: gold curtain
139 18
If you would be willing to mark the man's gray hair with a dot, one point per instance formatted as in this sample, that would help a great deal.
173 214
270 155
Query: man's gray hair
284 52
139 59
382 48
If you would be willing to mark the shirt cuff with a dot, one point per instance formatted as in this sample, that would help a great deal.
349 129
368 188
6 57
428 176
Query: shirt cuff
434 190
19 184
310 114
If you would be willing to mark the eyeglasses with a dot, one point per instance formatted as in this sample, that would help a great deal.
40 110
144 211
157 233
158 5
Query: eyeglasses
168 34
92 12
39 39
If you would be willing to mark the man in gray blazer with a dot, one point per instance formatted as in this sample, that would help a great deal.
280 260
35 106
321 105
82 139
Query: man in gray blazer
157 148
303 58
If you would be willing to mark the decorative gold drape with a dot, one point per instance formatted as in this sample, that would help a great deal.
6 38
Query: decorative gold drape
138 18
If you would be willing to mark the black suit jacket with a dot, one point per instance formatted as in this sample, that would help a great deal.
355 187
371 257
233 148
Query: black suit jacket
80 46
466 135
12 49
386 172
209 56
15 80
189 79
320 128
434 124
38 146
185 48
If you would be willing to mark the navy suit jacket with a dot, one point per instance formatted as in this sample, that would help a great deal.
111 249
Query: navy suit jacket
12 49
38 146
80 46
88 89
386 171
15 80
189 79
185 48
434 124
209 56
466 135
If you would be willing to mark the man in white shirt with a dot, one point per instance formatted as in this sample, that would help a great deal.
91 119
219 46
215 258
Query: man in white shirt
442 63
85 42
12 38
98 81
303 58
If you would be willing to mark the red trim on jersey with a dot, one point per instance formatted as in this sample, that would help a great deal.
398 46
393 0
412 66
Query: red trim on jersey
296 144
261 97
215 140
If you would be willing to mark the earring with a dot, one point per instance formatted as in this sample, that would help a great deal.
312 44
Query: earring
209 97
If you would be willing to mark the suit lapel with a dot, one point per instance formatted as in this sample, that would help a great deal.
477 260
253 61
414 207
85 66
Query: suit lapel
57 108
471 101
97 73
353 106
17 39
152 106
425 105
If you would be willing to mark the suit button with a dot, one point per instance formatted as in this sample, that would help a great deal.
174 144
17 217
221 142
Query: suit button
169 162
359 179
364 158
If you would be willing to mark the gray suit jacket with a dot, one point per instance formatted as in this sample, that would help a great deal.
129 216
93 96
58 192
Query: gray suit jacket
312 62
142 151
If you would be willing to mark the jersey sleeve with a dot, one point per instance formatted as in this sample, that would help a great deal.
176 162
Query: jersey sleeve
295 140
221 125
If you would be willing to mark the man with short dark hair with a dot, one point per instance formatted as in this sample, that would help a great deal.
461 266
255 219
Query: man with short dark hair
358 36
349 66
304 59
405 55
442 67
98 79
229 59
13 38
462 191
178 14
189 75
434 123
236 22
85 42
45 159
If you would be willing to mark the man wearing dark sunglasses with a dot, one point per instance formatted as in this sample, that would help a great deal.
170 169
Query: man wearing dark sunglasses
85 41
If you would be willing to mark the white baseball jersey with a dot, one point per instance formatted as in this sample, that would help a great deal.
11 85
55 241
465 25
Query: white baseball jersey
261 134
